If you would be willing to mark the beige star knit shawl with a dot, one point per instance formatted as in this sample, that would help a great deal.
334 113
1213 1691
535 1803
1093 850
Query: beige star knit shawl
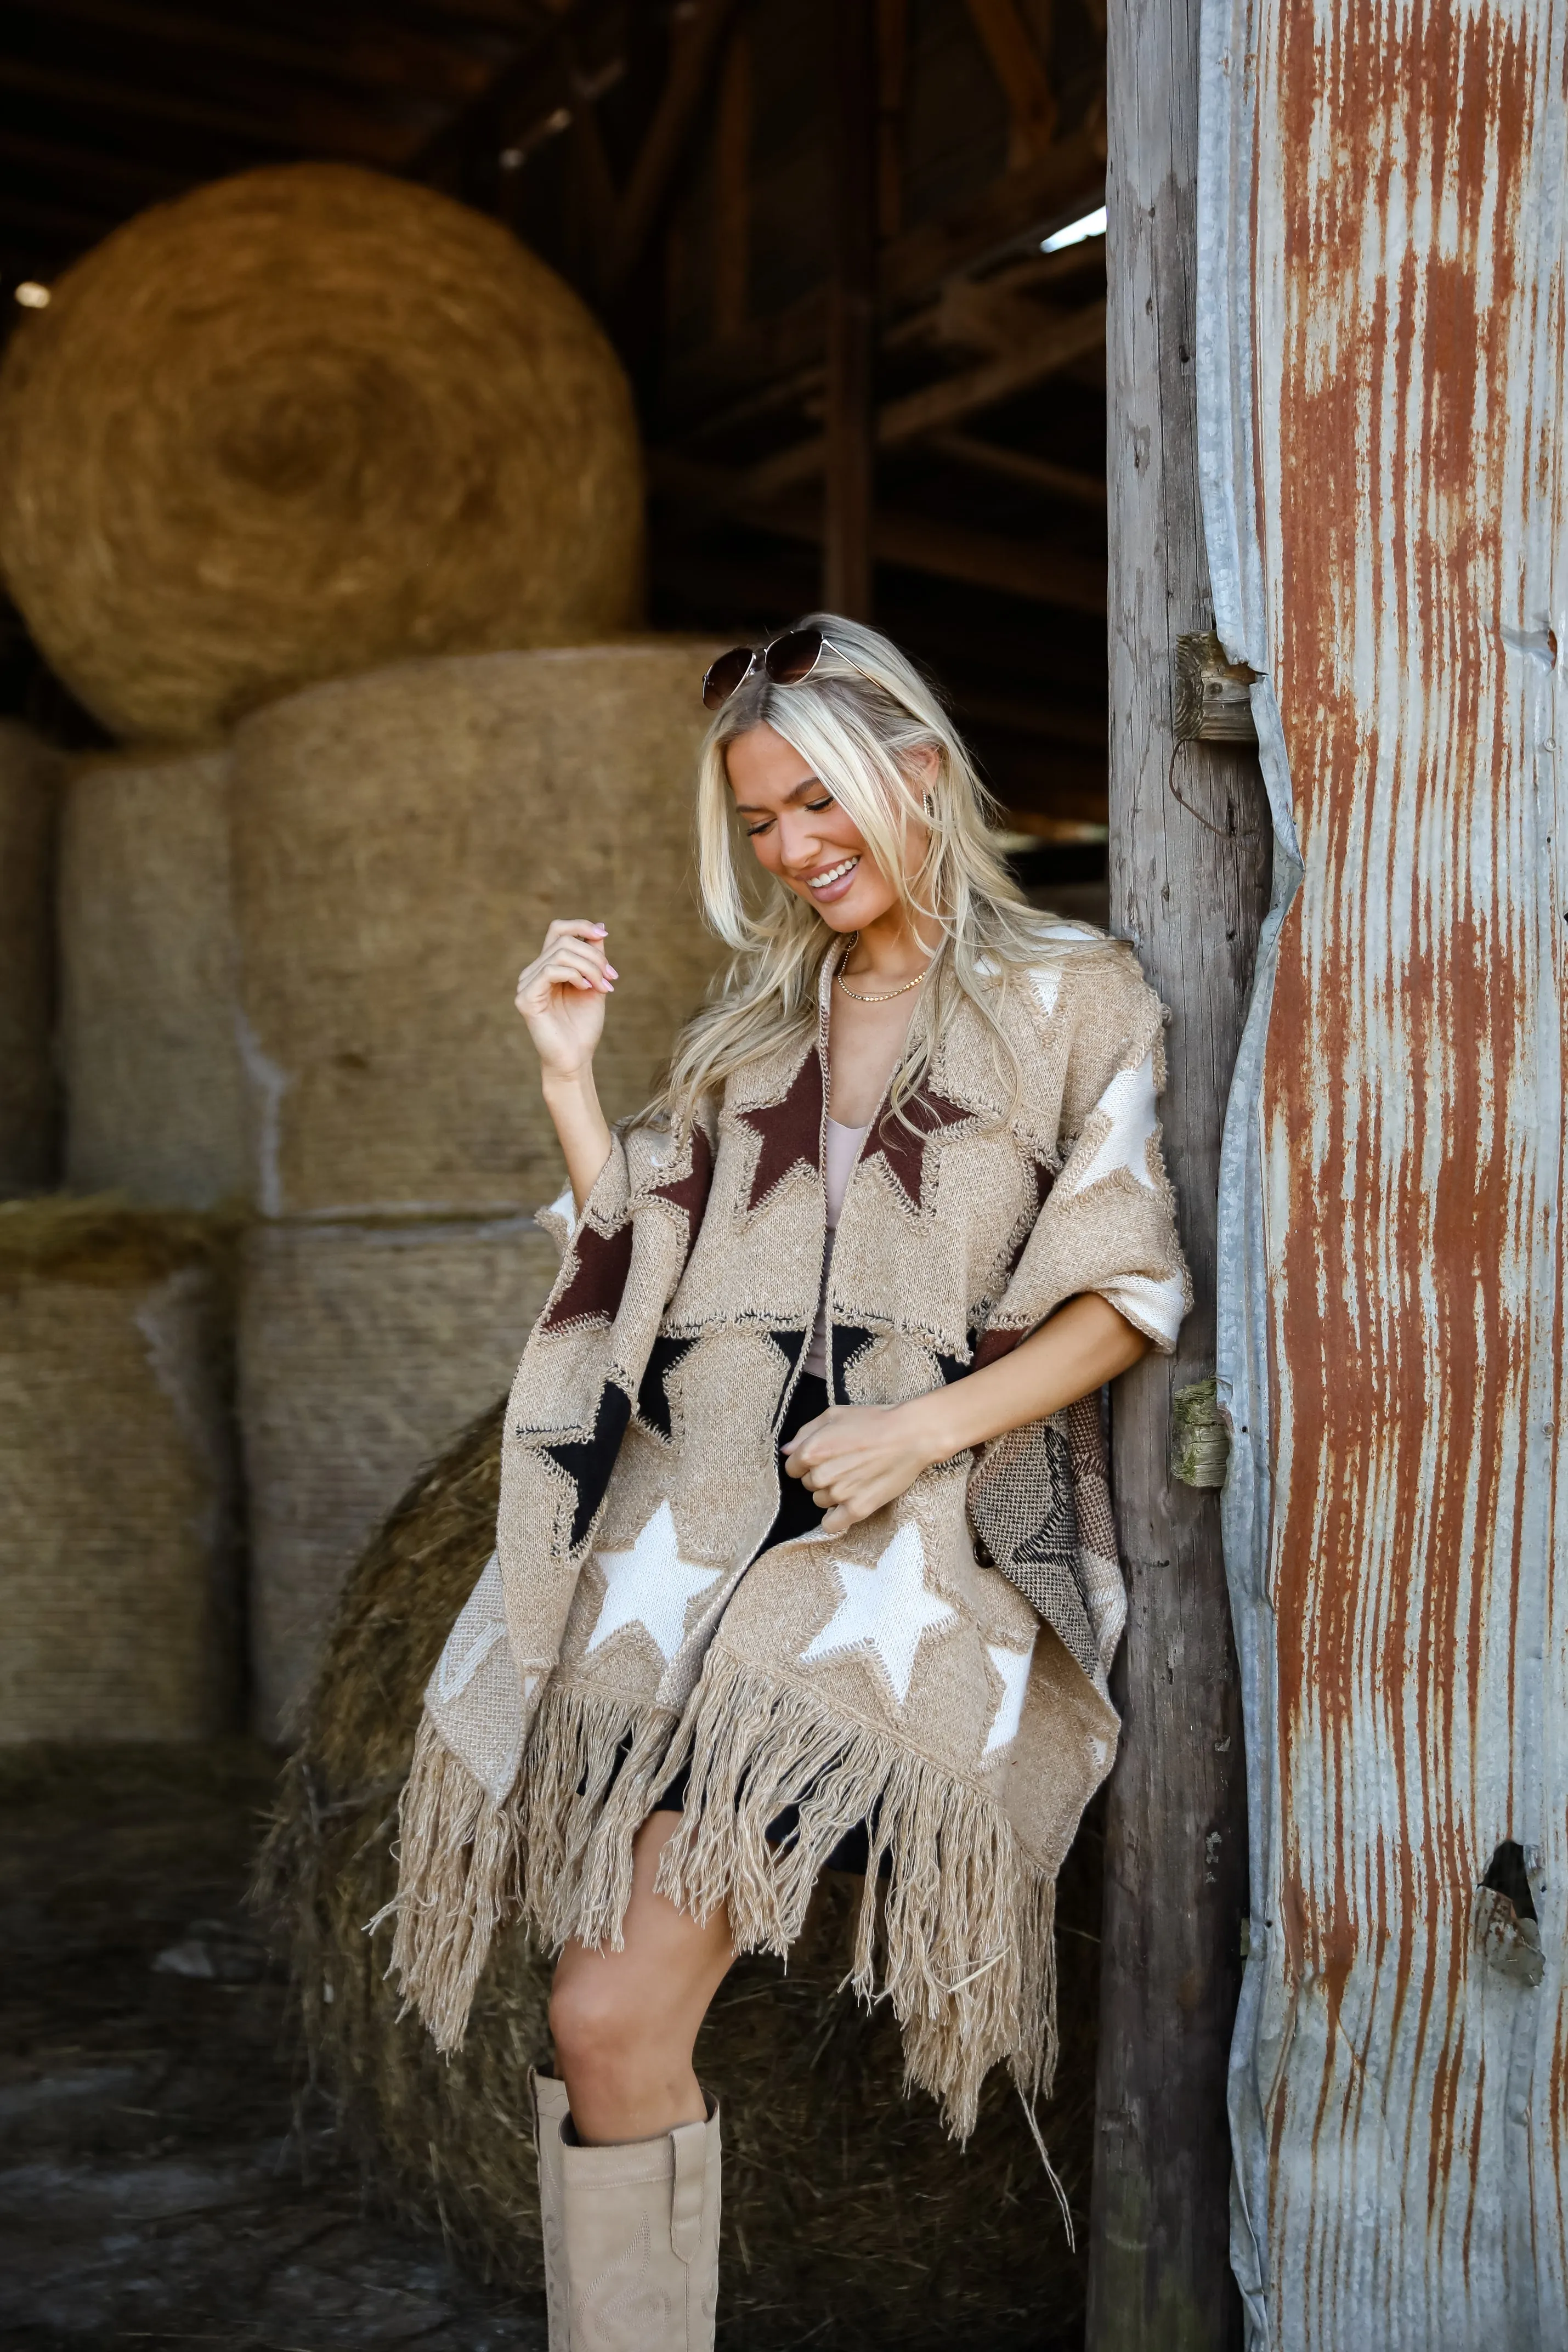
940 1669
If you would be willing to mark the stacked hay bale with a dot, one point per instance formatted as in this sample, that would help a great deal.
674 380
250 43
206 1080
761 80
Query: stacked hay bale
298 423
117 1476
851 2220
149 1051
401 841
292 425
28 783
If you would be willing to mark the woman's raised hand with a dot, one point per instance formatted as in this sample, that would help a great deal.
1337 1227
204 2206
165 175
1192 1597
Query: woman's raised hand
561 997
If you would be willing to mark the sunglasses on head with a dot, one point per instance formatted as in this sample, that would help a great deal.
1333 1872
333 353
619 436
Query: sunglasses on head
787 660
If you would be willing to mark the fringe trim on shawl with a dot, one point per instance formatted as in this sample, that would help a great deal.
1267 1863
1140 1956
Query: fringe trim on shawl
967 1925
968 1954
590 1771
457 1881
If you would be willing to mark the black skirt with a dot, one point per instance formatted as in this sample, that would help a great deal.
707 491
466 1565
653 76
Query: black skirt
799 1514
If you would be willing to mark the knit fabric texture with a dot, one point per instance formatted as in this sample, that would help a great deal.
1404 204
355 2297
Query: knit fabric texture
939 1671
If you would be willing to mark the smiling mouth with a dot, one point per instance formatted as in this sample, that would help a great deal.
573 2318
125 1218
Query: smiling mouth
831 876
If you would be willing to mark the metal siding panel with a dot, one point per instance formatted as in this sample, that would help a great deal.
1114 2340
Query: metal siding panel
1381 374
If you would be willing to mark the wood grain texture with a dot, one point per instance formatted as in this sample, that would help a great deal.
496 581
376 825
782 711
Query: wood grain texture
1400 338
1188 889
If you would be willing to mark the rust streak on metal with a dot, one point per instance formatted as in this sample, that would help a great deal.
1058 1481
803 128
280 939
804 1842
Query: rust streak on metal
1405 217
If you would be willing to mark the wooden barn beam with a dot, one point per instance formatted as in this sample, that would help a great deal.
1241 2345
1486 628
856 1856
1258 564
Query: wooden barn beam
1016 62
849 442
893 73
917 542
1053 347
652 175
309 126
391 59
732 187
1190 896
1043 474
910 270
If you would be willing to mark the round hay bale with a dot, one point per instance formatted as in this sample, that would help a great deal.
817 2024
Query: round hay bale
154 1098
303 421
851 2220
28 776
118 1511
362 1349
400 843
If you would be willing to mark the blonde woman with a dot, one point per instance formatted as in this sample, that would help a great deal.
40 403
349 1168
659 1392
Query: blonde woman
804 1556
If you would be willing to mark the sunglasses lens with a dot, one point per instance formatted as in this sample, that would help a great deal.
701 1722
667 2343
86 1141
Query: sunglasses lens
794 656
725 676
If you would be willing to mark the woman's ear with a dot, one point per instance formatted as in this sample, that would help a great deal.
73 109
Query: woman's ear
923 768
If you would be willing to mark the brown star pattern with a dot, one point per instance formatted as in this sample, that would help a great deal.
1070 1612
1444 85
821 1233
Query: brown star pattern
689 1193
593 1294
791 1130
902 1153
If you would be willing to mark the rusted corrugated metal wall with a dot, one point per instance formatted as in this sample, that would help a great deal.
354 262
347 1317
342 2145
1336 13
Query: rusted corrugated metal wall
1383 397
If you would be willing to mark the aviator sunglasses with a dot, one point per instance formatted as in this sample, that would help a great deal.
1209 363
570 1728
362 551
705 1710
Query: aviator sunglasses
787 660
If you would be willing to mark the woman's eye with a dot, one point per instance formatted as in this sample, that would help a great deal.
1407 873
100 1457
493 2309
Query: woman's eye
753 830
816 807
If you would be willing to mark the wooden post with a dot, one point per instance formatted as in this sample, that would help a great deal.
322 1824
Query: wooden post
1188 885
851 314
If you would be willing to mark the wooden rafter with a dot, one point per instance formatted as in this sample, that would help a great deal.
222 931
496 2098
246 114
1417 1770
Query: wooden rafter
663 148
1054 347
312 124
1043 474
391 59
911 271
1031 102
917 542
732 186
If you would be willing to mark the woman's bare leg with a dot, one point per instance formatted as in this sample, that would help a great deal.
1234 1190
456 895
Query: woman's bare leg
625 2022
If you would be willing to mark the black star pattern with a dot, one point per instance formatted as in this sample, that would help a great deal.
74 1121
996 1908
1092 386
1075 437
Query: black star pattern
654 1395
848 1341
588 1460
791 1130
789 1345
902 1148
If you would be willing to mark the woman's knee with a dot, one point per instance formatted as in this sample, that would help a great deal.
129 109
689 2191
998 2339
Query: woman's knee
596 2017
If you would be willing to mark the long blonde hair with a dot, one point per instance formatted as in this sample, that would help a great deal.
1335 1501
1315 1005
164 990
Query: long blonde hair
869 724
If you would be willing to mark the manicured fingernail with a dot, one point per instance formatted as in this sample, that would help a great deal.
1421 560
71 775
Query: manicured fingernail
610 968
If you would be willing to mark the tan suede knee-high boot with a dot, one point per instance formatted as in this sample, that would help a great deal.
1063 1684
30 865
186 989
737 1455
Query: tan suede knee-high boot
549 2113
642 2240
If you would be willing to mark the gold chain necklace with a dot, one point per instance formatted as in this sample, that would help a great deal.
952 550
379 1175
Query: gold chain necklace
887 996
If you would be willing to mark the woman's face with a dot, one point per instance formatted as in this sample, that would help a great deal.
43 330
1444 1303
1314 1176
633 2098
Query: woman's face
800 833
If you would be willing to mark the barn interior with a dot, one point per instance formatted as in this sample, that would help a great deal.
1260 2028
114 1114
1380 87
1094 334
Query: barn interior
852 260
825 243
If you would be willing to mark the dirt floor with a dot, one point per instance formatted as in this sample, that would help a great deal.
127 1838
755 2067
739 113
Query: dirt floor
164 2182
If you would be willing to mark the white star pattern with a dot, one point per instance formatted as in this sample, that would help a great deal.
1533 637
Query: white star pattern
651 1585
1128 1102
886 1607
1013 1667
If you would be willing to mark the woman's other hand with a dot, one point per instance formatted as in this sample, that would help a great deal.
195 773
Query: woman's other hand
561 997
855 1458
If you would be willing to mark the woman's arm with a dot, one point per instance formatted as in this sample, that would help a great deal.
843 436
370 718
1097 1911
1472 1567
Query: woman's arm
561 997
859 1457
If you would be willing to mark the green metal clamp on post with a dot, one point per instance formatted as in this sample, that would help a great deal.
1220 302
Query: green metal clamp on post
1200 1442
